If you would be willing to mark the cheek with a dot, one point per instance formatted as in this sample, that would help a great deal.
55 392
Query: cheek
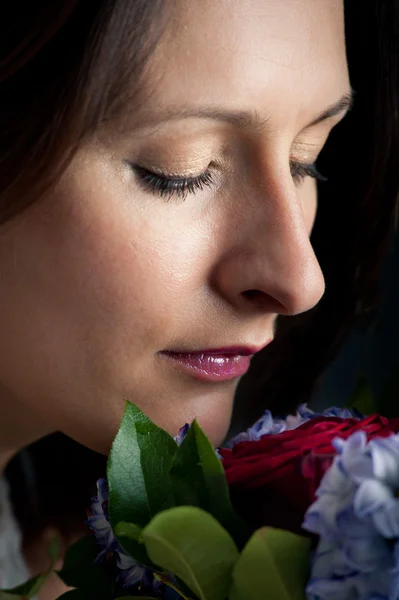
131 275
97 287
113 277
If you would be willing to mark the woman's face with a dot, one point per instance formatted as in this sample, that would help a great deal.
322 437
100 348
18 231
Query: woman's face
174 239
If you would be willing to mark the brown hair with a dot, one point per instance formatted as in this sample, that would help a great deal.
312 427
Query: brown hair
67 66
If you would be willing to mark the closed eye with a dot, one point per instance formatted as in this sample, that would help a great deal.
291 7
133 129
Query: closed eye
167 186
300 171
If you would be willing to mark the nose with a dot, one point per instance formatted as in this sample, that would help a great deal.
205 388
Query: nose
268 262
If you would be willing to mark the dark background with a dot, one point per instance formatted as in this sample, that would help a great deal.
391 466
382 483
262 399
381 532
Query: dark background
373 351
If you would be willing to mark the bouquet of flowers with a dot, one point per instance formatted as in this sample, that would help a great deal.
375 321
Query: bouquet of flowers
295 508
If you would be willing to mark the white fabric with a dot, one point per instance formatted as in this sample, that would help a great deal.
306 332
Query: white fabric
13 570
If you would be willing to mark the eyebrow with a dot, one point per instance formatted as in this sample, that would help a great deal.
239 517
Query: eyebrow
343 105
246 119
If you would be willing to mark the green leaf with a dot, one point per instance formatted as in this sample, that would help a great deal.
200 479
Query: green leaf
363 398
190 543
177 584
199 479
388 401
80 571
138 469
138 475
131 536
130 531
273 565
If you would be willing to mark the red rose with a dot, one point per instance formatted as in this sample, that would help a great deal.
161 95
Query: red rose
273 481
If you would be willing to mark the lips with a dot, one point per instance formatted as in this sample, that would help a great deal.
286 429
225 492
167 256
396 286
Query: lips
221 364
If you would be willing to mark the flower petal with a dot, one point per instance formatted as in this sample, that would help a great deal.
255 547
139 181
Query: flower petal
376 501
385 458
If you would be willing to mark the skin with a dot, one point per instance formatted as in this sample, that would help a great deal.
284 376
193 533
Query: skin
102 275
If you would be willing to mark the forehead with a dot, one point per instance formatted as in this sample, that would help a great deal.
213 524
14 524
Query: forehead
284 56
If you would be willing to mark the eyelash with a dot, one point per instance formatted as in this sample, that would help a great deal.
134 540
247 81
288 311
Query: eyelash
299 172
168 187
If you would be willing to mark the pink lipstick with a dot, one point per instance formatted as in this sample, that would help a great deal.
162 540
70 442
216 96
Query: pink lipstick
221 364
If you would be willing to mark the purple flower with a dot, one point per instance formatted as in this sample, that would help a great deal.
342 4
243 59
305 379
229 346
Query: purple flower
183 431
131 571
356 515
98 521
267 425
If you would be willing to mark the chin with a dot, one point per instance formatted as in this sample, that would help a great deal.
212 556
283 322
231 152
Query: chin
216 427
212 411
216 432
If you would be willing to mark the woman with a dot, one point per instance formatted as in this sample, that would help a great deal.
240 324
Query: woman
158 191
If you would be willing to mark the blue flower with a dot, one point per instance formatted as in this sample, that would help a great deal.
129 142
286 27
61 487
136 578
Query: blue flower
356 515
306 413
98 521
183 431
131 571
267 425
